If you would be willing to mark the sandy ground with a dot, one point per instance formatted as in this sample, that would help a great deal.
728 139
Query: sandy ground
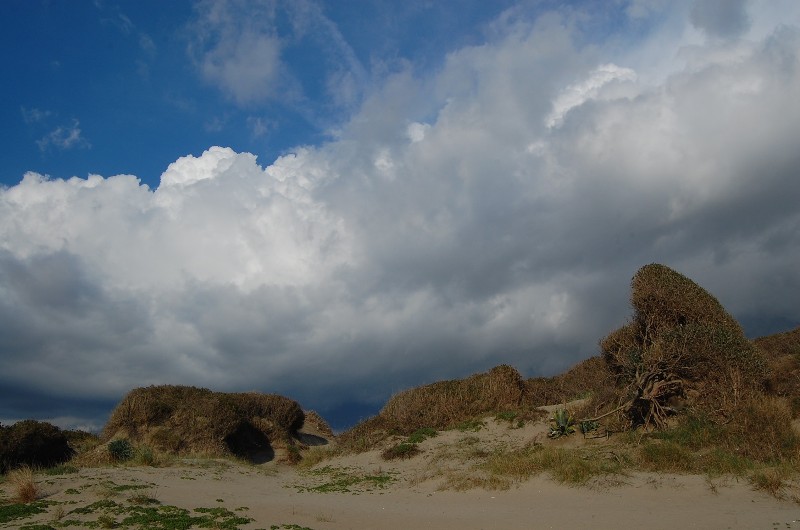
276 495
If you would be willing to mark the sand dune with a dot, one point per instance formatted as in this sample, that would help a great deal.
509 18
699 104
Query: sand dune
365 491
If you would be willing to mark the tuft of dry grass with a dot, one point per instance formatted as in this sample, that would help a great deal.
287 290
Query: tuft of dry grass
23 483
315 455
776 480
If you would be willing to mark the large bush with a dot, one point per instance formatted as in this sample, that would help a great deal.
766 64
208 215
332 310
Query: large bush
185 420
32 443
681 346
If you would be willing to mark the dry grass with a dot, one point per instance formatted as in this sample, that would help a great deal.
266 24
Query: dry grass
782 351
587 378
315 455
569 466
23 483
445 403
780 481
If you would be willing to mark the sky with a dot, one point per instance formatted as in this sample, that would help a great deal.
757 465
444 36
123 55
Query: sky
338 200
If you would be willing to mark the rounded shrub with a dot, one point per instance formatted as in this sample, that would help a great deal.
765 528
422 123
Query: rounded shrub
120 450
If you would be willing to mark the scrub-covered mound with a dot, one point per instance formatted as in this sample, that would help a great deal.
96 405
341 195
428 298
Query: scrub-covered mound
184 420
681 348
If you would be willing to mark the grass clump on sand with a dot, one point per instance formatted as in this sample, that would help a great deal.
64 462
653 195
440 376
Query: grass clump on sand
409 447
182 420
24 484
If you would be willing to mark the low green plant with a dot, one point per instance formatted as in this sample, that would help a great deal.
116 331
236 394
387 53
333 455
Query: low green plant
344 480
420 435
106 521
401 450
10 512
561 424
508 415
120 450
587 426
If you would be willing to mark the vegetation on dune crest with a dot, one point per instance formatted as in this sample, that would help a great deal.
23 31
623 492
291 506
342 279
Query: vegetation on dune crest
694 393
782 351
33 443
679 386
681 348
441 404
188 420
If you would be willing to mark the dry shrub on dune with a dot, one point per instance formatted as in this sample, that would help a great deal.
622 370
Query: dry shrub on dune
590 377
445 403
782 351
681 347
189 420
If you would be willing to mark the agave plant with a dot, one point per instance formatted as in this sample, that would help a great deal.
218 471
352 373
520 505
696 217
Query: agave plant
561 424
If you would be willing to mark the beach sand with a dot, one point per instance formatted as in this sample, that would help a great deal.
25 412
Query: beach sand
365 491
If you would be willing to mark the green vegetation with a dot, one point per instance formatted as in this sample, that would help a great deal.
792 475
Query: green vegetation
409 447
420 435
401 450
561 424
12 512
120 450
345 480
32 443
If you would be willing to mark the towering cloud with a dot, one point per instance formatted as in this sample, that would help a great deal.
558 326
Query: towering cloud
490 212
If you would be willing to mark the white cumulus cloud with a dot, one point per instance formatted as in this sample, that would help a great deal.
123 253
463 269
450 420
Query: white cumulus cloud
492 211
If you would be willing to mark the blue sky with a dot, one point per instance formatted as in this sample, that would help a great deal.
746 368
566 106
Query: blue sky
115 87
338 200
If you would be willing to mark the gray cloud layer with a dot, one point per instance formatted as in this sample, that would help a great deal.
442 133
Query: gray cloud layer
491 212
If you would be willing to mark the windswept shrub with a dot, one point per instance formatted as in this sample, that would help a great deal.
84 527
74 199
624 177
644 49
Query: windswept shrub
680 344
